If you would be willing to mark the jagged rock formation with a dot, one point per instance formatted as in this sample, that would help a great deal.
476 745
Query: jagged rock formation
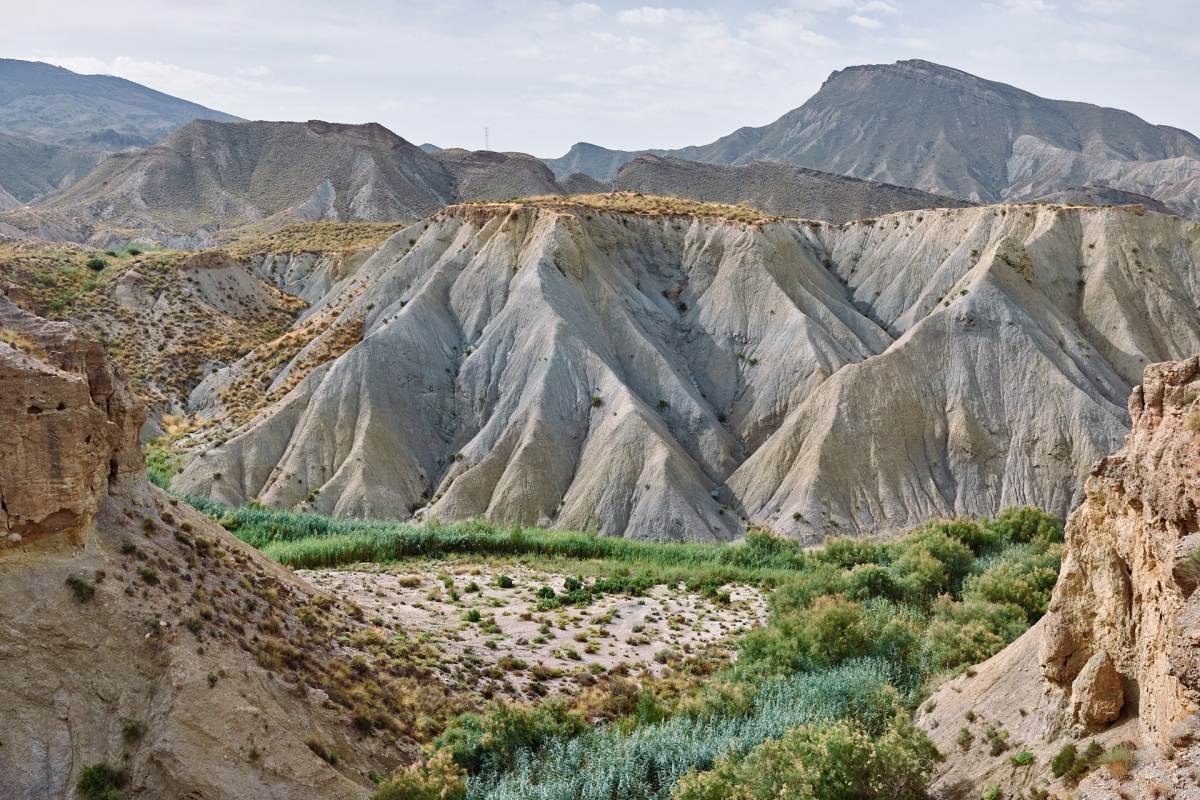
776 188
676 375
941 130
1116 656
140 635
70 426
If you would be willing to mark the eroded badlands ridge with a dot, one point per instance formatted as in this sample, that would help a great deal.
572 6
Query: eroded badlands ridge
677 374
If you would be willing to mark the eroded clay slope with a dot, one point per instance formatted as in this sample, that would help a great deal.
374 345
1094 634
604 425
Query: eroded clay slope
677 375
1116 657
138 635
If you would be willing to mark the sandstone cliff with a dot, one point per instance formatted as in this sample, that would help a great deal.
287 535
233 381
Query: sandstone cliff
138 635
1116 659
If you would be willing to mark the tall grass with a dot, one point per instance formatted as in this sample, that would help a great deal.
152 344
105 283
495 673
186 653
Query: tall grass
312 541
645 763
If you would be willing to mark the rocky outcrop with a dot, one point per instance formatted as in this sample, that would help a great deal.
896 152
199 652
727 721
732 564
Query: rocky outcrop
680 375
139 636
1117 627
70 427
1116 659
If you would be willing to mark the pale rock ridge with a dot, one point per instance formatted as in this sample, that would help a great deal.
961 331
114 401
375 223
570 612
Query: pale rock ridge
677 376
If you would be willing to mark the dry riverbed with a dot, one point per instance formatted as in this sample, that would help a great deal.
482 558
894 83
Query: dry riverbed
493 636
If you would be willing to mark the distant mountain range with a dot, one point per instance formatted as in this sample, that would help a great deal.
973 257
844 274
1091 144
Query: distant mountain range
941 130
55 124
873 140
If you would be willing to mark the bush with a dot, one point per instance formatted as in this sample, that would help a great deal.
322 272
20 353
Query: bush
961 634
1022 576
504 582
928 562
82 588
490 742
832 761
96 264
437 779
1025 524
101 782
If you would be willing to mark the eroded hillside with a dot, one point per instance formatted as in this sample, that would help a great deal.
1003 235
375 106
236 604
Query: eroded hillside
145 649
665 369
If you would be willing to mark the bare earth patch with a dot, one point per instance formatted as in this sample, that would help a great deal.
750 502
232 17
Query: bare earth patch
495 638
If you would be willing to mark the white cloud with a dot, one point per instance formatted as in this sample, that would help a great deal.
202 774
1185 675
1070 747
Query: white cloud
321 58
870 23
1096 52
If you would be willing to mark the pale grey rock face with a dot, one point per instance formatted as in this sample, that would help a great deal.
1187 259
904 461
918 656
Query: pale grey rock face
678 377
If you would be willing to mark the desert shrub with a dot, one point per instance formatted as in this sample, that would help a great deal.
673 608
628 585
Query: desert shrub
439 778
646 762
489 742
96 263
831 630
965 633
1021 576
847 552
101 782
838 760
1025 524
929 562
83 589
872 580
504 582
1119 761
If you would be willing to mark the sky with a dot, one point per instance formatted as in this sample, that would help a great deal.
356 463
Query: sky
543 74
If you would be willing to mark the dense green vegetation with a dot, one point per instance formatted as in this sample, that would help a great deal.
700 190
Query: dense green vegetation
859 632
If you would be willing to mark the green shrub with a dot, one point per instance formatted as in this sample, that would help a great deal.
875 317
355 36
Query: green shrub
96 264
82 588
965 633
437 779
1025 524
101 782
504 582
1021 576
490 742
831 761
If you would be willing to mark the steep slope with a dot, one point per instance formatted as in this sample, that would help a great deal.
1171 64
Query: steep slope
210 176
941 130
677 372
54 105
599 162
1102 196
30 169
140 637
776 188
487 175
1116 658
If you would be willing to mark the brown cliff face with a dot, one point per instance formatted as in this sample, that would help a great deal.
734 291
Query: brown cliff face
70 427
138 635
1116 660
1126 592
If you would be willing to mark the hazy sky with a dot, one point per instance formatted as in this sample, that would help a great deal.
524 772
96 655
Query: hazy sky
542 74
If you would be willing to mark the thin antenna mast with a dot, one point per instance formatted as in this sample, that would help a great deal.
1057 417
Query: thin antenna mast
485 137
